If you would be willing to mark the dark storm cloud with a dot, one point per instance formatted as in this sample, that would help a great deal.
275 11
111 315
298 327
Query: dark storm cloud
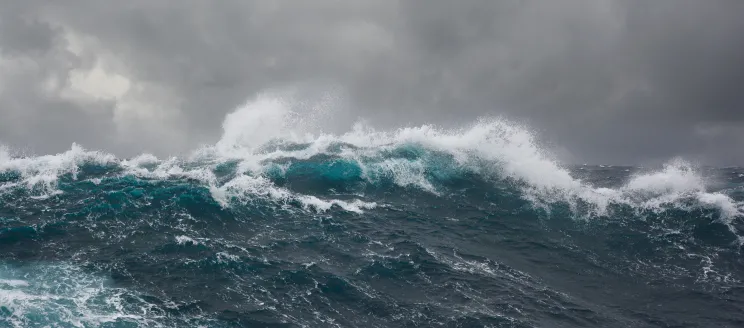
610 81
31 118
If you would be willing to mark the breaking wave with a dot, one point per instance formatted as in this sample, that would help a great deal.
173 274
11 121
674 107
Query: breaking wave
317 215
263 144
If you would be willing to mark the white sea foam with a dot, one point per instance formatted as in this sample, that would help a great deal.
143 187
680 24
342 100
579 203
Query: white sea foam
247 188
183 240
141 160
41 173
52 295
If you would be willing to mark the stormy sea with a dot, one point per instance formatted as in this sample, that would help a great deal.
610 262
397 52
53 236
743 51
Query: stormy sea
275 226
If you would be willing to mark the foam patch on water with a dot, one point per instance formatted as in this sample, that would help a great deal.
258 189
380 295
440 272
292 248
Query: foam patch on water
63 295
185 240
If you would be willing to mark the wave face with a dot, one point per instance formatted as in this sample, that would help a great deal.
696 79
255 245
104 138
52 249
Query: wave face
278 226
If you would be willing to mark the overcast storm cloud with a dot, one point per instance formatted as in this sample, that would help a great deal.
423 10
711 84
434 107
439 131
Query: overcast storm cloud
600 81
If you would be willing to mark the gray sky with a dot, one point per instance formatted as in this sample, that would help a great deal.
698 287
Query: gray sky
632 81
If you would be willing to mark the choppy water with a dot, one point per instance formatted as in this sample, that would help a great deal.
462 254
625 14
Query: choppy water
416 227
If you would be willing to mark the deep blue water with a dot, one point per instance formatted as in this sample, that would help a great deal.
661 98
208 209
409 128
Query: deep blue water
408 236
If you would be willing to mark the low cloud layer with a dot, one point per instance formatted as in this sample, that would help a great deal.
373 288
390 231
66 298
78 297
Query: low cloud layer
601 81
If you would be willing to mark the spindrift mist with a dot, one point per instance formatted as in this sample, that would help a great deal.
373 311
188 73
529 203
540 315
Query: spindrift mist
418 227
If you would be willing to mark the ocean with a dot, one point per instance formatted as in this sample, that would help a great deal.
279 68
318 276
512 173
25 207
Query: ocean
274 226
